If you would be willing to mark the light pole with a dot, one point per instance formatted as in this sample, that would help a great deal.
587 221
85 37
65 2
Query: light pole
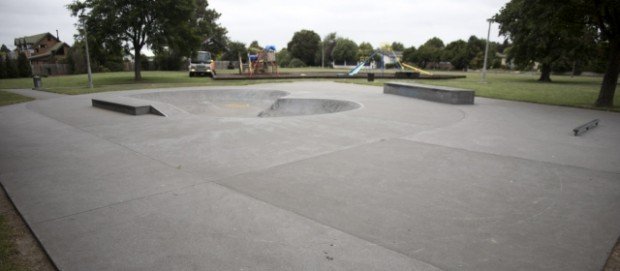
90 74
486 53
323 54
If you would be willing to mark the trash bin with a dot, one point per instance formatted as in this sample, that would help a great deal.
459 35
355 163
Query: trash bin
37 82
371 77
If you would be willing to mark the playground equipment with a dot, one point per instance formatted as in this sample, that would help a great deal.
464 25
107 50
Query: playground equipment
263 61
402 66
405 65
361 65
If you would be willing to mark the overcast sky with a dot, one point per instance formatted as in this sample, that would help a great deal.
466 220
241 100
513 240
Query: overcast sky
410 22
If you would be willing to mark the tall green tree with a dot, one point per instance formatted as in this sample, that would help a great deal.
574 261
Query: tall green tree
430 52
23 65
364 51
541 30
3 73
305 45
11 68
168 59
605 16
456 53
345 51
397 46
141 24
328 44
475 52
212 34
284 57
255 46
409 55
235 50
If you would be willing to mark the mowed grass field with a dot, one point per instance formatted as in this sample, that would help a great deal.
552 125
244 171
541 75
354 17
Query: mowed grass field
7 98
579 91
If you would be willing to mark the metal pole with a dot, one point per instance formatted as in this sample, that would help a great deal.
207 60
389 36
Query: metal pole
90 75
486 53
323 54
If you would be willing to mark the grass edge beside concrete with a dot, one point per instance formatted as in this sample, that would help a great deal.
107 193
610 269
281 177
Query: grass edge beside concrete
28 255
8 98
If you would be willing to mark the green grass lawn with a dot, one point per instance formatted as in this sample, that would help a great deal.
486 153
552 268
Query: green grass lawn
7 98
114 81
578 91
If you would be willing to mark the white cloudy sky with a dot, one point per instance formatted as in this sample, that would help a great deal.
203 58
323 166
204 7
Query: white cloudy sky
411 22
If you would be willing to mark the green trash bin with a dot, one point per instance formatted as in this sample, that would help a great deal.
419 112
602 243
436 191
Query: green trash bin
371 77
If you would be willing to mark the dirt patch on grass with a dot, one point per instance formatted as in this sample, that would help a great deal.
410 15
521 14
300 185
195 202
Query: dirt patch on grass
613 263
19 250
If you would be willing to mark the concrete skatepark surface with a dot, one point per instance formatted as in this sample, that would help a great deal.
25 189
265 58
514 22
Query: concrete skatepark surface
393 184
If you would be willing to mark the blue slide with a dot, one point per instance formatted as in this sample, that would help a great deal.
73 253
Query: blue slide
359 67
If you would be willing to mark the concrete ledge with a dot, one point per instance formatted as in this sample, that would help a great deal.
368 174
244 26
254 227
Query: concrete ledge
126 105
431 93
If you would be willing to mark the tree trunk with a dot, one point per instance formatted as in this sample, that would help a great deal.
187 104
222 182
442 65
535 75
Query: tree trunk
137 67
608 88
545 73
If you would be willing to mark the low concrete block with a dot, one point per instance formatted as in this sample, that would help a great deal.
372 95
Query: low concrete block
431 93
126 105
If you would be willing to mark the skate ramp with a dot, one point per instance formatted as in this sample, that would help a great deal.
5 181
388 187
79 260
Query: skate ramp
300 107
217 103
246 103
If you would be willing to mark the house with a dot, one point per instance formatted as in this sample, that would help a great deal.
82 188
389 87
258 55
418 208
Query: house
44 51
506 64
391 58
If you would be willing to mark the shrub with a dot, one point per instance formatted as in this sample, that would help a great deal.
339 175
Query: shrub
296 63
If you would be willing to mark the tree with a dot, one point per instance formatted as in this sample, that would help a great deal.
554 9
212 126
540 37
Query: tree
456 53
213 35
475 52
141 24
409 55
305 45
328 44
397 46
235 50
605 15
11 68
345 51
168 59
23 65
3 73
283 57
255 46
541 31
364 50
430 52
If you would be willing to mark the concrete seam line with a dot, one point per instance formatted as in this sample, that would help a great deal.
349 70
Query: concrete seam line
506 156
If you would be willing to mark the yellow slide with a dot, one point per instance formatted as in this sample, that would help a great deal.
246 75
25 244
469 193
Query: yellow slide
415 69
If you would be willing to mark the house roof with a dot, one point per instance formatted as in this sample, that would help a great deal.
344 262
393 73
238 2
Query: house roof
50 52
32 39
57 46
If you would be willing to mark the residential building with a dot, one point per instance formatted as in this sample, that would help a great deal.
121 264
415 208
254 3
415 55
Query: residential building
45 52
